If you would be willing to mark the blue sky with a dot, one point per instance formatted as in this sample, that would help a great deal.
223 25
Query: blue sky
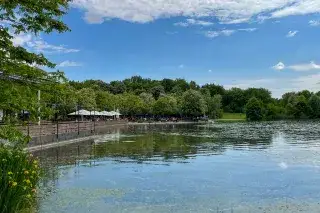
242 43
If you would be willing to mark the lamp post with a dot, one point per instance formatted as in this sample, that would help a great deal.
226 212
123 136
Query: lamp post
55 106
94 120
78 109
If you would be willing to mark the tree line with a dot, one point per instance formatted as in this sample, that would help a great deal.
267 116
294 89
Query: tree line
138 96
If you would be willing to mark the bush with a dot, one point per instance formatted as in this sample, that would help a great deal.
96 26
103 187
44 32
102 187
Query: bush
19 173
254 110
274 112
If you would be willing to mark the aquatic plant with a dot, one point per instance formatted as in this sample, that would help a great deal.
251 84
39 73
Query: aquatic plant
19 173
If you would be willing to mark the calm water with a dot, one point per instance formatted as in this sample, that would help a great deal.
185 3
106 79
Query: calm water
223 167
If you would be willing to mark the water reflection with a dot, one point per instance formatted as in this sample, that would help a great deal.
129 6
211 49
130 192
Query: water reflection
237 167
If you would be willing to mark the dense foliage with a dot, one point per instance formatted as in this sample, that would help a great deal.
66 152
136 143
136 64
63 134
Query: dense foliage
20 80
146 97
18 180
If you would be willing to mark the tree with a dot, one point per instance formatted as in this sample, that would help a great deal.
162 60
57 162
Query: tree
182 83
314 105
117 87
286 97
168 84
254 110
32 16
260 93
214 89
105 101
274 112
157 91
148 102
87 99
165 105
306 93
234 100
297 106
131 104
194 85
193 104
215 107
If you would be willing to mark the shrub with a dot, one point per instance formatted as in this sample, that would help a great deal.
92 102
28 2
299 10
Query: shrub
19 173
254 110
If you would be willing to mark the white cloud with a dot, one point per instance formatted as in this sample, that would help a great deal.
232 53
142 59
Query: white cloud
22 39
191 21
226 32
228 11
36 44
181 66
235 21
209 71
314 23
279 86
279 66
298 7
283 165
305 67
213 34
310 82
69 64
298 67
42 46
248 29
292 34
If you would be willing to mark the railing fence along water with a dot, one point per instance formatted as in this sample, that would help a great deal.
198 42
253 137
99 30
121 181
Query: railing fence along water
50 132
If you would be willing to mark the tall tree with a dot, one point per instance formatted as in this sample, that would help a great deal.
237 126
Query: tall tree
165 106
157 91
254 109
314 105
87 99
19 74
215 107
297 106
131 104
148 102
234 100
193 104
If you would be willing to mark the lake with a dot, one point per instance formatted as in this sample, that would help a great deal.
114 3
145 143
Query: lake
221 167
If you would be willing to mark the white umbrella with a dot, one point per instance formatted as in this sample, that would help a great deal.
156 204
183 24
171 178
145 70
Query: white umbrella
105 113
95 113
113 113
80 112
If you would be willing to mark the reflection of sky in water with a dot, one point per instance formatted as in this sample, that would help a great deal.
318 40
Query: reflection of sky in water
236 167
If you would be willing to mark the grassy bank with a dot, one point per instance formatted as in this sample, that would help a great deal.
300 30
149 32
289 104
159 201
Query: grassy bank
233 116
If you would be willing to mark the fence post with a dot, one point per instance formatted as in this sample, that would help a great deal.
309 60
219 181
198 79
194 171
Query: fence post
57 130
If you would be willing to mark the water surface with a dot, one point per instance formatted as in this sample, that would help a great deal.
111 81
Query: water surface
222 167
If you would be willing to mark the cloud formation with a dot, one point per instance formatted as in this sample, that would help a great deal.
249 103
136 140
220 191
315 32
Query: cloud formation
298 67
314 23
279 86
69 64
37 44
292 34
191 21
229 12
279 66
226 32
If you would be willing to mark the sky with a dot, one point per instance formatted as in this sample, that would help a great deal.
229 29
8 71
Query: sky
235 43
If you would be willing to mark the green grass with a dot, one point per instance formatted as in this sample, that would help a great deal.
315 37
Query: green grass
233 116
